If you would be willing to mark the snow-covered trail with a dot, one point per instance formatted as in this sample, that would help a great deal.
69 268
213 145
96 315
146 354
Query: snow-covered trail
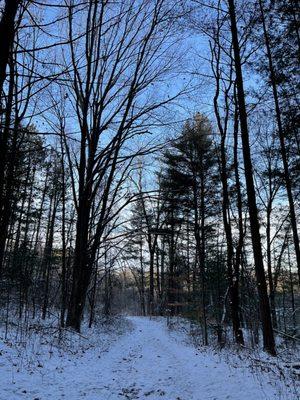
150 364
146 363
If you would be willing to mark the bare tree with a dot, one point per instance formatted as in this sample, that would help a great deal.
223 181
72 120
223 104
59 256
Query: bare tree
269 343
225 85
281 136
113 70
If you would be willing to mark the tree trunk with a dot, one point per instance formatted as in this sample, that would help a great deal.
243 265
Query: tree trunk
151 277
268 335
240 244
269 264
171 275
46 264
232 273
232 278
283 152
64 249
202 257
6 168
7 34
81 270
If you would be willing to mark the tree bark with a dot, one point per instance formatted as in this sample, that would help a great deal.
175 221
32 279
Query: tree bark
7 34
81 270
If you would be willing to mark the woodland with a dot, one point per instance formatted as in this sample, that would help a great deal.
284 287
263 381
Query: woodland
149 166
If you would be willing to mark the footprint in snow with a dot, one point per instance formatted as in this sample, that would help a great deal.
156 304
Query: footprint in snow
130 393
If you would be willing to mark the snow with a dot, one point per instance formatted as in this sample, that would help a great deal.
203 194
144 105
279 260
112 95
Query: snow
136 359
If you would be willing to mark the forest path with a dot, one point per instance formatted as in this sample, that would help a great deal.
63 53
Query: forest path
146 363
149 364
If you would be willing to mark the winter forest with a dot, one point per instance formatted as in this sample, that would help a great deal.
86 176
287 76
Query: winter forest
149 199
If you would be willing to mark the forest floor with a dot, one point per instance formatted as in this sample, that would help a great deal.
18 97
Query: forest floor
137 358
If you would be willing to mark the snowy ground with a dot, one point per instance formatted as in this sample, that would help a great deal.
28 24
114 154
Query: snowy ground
140 360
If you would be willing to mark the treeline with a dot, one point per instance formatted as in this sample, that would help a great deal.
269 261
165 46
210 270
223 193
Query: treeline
208 229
